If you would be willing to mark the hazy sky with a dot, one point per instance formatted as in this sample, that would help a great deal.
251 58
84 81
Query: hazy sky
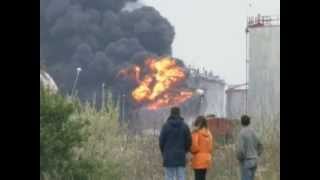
211 33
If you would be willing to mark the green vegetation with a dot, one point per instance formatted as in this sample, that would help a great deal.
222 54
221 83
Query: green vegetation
69 138
79 142
59 134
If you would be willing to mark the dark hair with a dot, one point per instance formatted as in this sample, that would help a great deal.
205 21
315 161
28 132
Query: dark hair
245 120
175 111
201 122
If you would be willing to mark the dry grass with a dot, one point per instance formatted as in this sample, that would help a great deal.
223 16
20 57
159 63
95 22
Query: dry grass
226 166
131 157
144 161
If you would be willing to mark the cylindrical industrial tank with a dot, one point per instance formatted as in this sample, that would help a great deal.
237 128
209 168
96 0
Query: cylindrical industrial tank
47 82
214 93
236 103
264 72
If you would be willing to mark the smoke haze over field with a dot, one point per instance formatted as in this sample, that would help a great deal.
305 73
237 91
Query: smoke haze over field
100 36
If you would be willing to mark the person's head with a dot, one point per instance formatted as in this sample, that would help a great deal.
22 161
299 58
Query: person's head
175 112
201 122
245 120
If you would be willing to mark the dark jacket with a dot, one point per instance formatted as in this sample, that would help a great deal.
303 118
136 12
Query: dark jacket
175 142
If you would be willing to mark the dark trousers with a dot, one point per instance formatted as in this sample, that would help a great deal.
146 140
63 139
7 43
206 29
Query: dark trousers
200 174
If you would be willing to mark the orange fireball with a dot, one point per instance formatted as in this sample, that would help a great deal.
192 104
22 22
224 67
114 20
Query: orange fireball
159 86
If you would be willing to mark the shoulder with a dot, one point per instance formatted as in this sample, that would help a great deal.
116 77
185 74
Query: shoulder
181 120
185 126
250 131
243 132
247 132
165 126
195 134
210 134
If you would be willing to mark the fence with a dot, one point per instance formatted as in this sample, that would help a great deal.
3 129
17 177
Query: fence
221 128
263 20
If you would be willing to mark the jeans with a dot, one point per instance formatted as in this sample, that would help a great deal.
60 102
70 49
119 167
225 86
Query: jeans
174 173
200 174
248 169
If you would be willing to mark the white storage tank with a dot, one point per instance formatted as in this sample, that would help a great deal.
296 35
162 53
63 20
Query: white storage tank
47 82
214 92
236 101
264 68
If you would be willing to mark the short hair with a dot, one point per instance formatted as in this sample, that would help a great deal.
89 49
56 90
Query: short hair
175 111
201 122
245 120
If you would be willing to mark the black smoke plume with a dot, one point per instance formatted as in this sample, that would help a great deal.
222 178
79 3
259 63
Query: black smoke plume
100 37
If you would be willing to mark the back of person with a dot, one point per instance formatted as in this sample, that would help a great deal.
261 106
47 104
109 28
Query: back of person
174 142
250 143
249 149
201 149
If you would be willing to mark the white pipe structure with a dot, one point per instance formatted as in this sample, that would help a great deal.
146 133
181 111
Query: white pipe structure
76 81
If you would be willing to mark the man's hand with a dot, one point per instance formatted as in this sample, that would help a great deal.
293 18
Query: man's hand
188 158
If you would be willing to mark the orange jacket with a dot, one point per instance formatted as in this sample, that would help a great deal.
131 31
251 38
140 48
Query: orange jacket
201 149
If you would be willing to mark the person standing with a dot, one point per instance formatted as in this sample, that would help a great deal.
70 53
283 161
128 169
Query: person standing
248 150
202 148
175 143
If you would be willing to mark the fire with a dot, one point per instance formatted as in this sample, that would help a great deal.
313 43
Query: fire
159 87
173 99
133 73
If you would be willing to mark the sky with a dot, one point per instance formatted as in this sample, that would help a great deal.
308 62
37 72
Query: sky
211 33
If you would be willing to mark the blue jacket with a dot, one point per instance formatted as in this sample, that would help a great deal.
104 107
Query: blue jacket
175 142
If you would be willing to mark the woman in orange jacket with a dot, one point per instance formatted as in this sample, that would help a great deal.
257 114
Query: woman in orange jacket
201 149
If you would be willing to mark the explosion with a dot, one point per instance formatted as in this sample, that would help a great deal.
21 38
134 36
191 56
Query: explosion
160 85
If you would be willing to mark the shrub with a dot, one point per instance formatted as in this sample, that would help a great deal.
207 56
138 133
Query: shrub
59 135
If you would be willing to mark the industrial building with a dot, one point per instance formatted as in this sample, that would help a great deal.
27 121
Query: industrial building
208 98
214 91
263 60
236 101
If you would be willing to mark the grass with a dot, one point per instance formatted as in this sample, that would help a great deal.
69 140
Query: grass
124 156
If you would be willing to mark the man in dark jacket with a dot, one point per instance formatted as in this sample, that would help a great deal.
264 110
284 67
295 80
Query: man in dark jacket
175 143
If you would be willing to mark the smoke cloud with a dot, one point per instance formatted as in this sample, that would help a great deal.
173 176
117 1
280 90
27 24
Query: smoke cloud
100 36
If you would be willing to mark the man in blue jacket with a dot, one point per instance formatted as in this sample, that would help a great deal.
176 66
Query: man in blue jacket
175 143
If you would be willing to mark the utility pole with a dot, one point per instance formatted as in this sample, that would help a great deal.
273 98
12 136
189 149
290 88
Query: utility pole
123 106
246 64
247 54
103 99
76 81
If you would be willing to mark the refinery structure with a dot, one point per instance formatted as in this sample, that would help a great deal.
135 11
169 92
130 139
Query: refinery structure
259 96
263 42
236 101
203 92
208 97
213 88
